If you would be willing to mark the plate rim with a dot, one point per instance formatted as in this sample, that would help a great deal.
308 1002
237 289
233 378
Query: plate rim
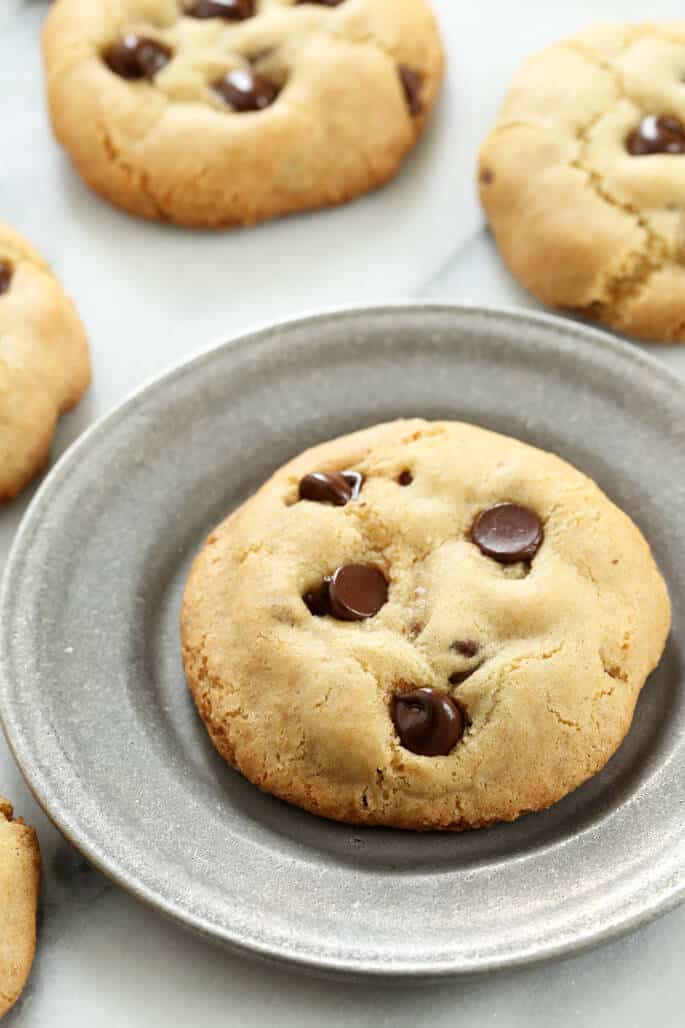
39 785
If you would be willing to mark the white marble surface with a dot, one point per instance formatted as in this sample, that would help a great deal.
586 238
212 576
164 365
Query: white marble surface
149 296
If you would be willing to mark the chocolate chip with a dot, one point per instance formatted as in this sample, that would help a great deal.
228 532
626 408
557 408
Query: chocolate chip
508 533
232 10
336 487
412 83
664 134
487 177
326 487
406 478
136 57
459 677
317 600
6 272
357 592
467 647
246 90
428 722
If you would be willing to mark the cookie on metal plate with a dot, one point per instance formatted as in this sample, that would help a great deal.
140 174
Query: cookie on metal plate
422 625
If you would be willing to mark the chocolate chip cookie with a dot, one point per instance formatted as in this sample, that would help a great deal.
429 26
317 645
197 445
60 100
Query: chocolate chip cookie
583 177
224 112
423 625
44 361
19 886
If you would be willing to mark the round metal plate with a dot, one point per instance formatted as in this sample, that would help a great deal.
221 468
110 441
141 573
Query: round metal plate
92 690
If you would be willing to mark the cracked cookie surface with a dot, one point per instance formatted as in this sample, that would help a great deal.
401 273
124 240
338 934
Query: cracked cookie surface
173 111
585 219
19 886
44 361
530 671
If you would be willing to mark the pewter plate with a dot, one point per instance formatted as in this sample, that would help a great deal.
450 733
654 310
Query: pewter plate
92 692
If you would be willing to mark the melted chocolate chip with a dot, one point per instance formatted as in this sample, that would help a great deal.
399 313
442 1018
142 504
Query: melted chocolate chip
466 647
357 592
246 90
317 600
508 533
232 10
428 722
664 134
412 83
136 57
406 478
6 272
336 487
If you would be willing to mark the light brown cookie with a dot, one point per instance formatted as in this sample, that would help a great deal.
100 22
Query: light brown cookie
44 361
19 886
583 177
455 639
223 112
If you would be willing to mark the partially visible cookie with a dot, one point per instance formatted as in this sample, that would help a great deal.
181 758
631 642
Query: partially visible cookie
44 361
225 112
583 177
422 625
19 887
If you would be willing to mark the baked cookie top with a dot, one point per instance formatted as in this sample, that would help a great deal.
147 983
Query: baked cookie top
44 361
424 625
583 177
19 886
215 112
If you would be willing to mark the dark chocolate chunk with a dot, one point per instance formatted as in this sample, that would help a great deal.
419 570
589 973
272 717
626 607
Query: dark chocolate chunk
412 83
657 134
336 487
508 533
6 272
246 90
232 10
136 57
326 487
459 677
466 647
357 592
317 600
406 478
427 722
